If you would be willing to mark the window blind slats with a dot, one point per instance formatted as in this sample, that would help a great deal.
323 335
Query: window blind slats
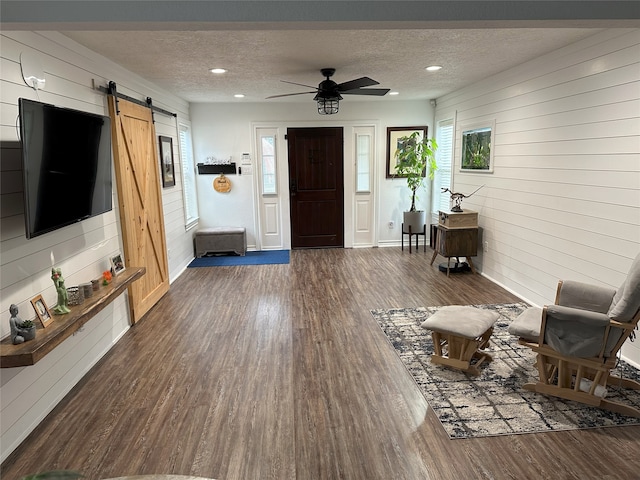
444 155
188 176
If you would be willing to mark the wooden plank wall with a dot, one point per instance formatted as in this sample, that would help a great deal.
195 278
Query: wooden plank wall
81 250
564 198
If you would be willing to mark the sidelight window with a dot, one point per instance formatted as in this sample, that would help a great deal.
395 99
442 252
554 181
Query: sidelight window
268 162
363 162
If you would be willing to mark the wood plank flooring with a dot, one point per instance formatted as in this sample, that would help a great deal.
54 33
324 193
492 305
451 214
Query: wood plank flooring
280 372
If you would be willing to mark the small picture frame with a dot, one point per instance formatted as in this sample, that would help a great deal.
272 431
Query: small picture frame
117 264
166 162
42 311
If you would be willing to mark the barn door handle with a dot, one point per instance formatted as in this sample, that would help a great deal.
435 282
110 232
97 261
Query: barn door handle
293 188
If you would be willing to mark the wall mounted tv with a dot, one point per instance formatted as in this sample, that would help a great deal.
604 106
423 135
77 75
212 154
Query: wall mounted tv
66 160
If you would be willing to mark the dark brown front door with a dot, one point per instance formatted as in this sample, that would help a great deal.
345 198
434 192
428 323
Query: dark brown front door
316 189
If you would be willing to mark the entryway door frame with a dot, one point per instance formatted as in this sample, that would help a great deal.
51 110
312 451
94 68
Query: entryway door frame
272 211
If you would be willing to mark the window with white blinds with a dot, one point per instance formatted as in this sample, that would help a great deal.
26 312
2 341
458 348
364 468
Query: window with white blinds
188 177
444 158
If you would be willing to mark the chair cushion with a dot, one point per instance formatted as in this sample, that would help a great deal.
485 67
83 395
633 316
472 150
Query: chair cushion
527 325
460 320
595 298
626 301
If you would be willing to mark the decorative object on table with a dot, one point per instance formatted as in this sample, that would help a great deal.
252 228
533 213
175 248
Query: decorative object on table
166 162
493 403
222 184
95 284
75 295
106 277
87 289
42 311
456 198
62 306
413 157
21 331
477 154
117 264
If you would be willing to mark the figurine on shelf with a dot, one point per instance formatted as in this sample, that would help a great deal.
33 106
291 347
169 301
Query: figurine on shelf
20 331
456 198
63 300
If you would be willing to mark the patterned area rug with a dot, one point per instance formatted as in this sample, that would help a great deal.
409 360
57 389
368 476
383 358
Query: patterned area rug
494 402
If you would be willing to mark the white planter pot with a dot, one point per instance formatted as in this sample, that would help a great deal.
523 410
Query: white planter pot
415 220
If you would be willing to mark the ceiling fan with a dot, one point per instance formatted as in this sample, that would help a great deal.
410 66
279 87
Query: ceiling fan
329 93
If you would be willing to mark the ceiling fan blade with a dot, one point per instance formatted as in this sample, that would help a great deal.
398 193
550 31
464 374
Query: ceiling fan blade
290 94
301 84
367 91
357 83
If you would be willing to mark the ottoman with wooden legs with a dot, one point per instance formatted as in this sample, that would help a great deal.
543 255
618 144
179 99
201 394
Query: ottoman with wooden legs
460 333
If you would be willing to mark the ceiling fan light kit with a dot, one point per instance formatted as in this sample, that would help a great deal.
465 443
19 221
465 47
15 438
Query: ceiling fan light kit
328 93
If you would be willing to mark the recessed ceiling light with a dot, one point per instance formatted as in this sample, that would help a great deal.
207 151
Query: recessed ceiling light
218 70
394 93
239 95
433 68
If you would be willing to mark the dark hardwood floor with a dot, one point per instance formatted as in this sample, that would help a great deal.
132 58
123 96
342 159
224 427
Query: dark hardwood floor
280 372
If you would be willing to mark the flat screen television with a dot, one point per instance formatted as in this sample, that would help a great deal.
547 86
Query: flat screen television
66 160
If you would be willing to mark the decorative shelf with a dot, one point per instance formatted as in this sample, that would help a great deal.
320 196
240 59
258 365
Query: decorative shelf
210 169
64 326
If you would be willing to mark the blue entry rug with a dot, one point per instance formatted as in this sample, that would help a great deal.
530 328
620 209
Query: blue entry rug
493 403
265 257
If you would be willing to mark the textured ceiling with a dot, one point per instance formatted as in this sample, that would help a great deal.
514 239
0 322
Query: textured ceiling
257 60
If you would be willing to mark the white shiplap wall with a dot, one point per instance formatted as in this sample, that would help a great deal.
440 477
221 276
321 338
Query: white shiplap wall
81 250
563 201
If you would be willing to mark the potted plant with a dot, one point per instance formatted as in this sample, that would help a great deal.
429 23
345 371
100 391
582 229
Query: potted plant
416 159
28 330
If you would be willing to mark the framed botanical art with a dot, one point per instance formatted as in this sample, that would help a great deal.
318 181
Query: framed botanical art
477 148
42 311
394 139
166 162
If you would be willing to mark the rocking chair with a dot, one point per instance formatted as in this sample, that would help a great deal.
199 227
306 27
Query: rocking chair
577 340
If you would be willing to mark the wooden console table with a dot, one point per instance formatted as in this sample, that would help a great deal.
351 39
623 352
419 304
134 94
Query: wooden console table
456 242
63 326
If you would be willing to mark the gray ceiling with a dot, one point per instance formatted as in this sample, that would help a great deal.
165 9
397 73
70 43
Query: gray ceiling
260 43
257 60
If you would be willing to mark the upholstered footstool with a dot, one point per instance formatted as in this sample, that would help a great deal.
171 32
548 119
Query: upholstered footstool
221 240
459 334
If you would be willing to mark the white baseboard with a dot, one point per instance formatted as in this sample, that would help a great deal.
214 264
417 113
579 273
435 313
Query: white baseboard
524 299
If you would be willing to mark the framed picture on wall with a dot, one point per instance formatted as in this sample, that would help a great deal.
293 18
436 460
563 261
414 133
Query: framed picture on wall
477 148
394 141
166 162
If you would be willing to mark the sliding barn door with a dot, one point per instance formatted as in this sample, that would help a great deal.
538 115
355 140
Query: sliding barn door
140 202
